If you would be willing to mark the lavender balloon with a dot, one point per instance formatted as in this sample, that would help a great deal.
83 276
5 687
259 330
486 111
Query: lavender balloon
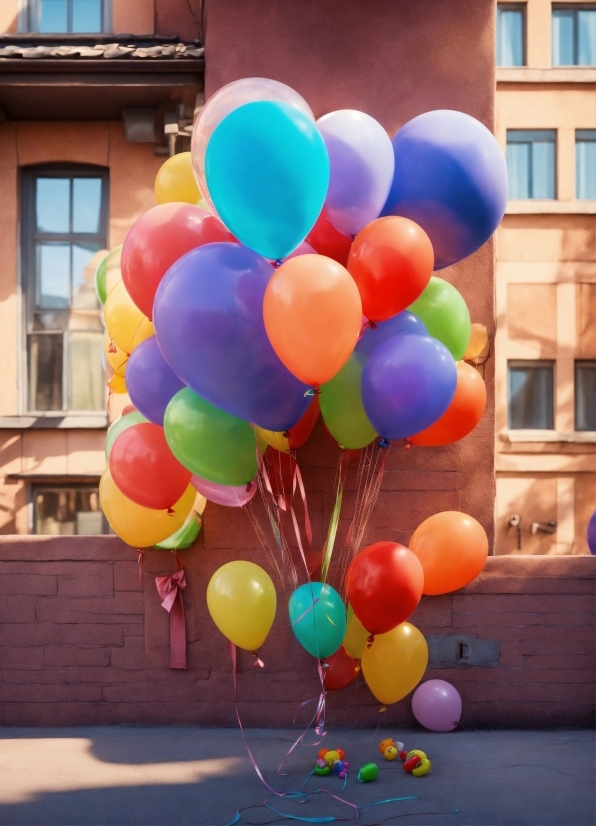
228 495
437 705
404 322
407 384
208 317
150 380
361 168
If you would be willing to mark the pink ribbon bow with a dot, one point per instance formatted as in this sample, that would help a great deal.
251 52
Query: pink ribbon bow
170 590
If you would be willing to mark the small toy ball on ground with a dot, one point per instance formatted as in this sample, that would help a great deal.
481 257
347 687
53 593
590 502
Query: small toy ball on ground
331 761
368 772
416 762
390 748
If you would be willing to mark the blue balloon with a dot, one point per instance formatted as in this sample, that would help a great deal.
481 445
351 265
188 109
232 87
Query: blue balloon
150 381
318 618
407 384
267 170
208 317
450 178
591 534
403 322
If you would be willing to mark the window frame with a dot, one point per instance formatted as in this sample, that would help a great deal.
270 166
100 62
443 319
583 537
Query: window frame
523 8
28 18
532 363
59 484
555 143
578 363
575 8
27 269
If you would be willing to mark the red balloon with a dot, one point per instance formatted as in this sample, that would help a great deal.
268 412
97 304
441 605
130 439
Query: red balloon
144 468
342 670
129 408
157 240
384 584
327 240
300 433
391 261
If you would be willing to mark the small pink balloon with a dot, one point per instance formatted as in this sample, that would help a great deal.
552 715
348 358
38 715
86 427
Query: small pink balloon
230 496
437 705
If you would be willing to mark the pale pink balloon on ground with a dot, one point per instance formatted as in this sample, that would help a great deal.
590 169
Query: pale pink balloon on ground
437 705
228 495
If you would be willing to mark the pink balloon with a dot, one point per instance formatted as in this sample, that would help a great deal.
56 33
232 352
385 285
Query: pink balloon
231 497
437 705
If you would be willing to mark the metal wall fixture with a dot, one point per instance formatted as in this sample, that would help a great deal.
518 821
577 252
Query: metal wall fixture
548 527
515 521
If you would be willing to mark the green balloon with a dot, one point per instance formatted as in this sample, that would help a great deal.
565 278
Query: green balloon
368 772
184 536
342 408
100 279
445 314
210 443
119 426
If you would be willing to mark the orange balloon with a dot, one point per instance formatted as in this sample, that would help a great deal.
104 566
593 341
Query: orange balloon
452 548
313 315
462 415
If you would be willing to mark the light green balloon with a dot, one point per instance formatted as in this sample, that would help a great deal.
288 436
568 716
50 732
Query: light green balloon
342 408
119 426
445 314
210 443
184 536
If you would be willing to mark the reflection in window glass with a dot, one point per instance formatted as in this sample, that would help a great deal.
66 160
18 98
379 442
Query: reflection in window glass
52 16
585 164
531 395
87 379
53 204
510 35
86 15
63 511
586 37
531 163
86 206
45 371
83 276
574 36
53 276
585 395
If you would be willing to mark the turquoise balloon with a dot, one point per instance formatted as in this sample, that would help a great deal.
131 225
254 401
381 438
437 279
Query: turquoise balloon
267 170
318 618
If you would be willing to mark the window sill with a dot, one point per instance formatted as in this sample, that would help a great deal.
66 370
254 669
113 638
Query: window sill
66 421
533 206
557 74
530 436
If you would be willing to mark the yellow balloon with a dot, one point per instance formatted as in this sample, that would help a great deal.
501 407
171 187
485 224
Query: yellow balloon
395 663
242 601
477 343
113 273
117 384
126 324
274 439
138 526
115 357
356 636
176 181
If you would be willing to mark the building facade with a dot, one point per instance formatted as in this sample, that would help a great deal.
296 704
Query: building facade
545 346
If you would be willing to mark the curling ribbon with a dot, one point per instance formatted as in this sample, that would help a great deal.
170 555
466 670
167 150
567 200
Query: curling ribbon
141 553
344 462
170 590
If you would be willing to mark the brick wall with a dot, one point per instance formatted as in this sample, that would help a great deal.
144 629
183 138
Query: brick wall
81 643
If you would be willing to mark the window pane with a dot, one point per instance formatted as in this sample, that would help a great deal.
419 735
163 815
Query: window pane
563 37
586 37
543 169
518 169
52 16
53 276
83 276
52 199
510 37
86 204
86 16
86 375
585 395
585 164
45 372
60 511
531 397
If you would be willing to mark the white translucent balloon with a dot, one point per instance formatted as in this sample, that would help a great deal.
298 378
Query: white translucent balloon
224 101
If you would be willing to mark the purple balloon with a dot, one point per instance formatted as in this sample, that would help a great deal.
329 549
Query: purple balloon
591 534
150 381
408 383
228 495
437 705
403 322
361 168
451 179
208 317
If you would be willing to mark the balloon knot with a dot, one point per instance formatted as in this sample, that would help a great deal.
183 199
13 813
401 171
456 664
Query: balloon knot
286 434
370 640
277 263
171 511
324 664
258 663
372 325
317 390
409 446
384 443
382 709
248 488
309 392
353 238
112 348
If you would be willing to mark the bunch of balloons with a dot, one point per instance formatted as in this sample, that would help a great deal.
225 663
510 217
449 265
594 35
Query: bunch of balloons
288 268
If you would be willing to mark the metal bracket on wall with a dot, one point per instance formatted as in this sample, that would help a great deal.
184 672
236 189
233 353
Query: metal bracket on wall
465 651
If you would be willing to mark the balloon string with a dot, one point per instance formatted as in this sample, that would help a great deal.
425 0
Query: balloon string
141 554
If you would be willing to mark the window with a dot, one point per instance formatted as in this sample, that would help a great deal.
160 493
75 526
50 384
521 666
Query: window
585 164
67 16
59 510
585 395
64 227
574 36
510 34
531 163
531 395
